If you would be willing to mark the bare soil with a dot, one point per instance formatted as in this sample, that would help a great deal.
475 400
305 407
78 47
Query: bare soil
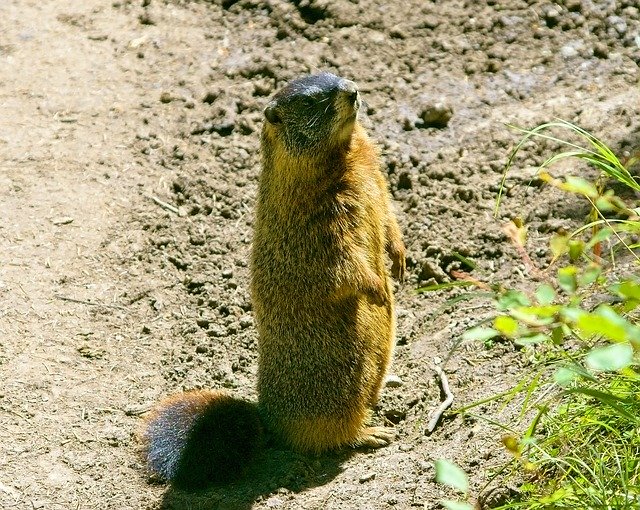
110 301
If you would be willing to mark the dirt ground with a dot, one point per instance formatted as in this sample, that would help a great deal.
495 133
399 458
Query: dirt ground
109 300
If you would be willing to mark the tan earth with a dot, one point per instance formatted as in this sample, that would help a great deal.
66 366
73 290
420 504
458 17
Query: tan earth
128 164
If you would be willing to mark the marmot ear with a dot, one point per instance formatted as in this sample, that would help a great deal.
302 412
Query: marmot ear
271 114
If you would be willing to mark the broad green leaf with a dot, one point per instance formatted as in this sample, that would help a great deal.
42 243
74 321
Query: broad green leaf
580 185
567 279
598 324
627 289
449 474
545 294
542 312
610 358
572 314
589 275
576 248
611 314
456 505
558 495
535 338
511 299
564 376
506 325
559 333
559 244
479 333
530 316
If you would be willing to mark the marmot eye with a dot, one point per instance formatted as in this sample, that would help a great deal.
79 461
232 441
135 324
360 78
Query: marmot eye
271 115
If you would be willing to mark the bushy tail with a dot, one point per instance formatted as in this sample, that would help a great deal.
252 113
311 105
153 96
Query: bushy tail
202 438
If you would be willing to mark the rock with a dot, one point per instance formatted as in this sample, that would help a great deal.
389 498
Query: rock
202 322
617 23
63 220
367 477
429 22
600 50
393 381
274 502
551 14
245 321
436 115
569 51
398 32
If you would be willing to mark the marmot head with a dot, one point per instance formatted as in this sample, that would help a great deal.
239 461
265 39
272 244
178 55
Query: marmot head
311 114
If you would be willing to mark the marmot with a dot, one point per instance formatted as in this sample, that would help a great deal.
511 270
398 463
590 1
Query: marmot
321 296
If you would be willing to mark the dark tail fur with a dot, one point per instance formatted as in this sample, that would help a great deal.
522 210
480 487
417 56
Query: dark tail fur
202 438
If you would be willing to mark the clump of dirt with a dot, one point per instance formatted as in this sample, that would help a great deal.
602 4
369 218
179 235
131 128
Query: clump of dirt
138 124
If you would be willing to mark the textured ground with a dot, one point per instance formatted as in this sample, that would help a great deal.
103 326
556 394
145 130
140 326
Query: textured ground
109 301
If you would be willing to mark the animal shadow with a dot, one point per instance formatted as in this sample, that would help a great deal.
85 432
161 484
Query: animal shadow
272 470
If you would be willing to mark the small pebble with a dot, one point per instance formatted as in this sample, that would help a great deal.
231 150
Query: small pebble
245 321
569 51
600 50
367 477
393 381
64 220
436 115
274 502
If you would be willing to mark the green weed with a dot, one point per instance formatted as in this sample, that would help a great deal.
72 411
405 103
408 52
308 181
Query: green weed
582 448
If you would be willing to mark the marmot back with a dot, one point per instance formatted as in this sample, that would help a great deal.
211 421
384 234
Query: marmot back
320 287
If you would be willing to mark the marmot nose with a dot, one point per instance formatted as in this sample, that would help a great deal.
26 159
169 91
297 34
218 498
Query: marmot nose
349 89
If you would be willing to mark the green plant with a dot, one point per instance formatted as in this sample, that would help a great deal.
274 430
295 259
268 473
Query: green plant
451 475
581 449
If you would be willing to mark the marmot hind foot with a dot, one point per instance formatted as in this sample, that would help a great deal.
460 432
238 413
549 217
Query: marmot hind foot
375 437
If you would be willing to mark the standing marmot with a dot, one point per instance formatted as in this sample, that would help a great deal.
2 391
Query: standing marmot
321 296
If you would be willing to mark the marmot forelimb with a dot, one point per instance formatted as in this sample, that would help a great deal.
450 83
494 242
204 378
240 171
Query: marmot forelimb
321 293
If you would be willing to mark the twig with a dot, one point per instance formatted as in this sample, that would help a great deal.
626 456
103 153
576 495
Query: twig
165 205
15 413
83 302
445 405
140 295
137 411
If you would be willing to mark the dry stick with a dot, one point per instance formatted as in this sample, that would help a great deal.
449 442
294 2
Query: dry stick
137 411
165 205
83 302
445 405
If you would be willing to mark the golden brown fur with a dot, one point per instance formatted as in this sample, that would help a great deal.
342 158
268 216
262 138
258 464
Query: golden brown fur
321 291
